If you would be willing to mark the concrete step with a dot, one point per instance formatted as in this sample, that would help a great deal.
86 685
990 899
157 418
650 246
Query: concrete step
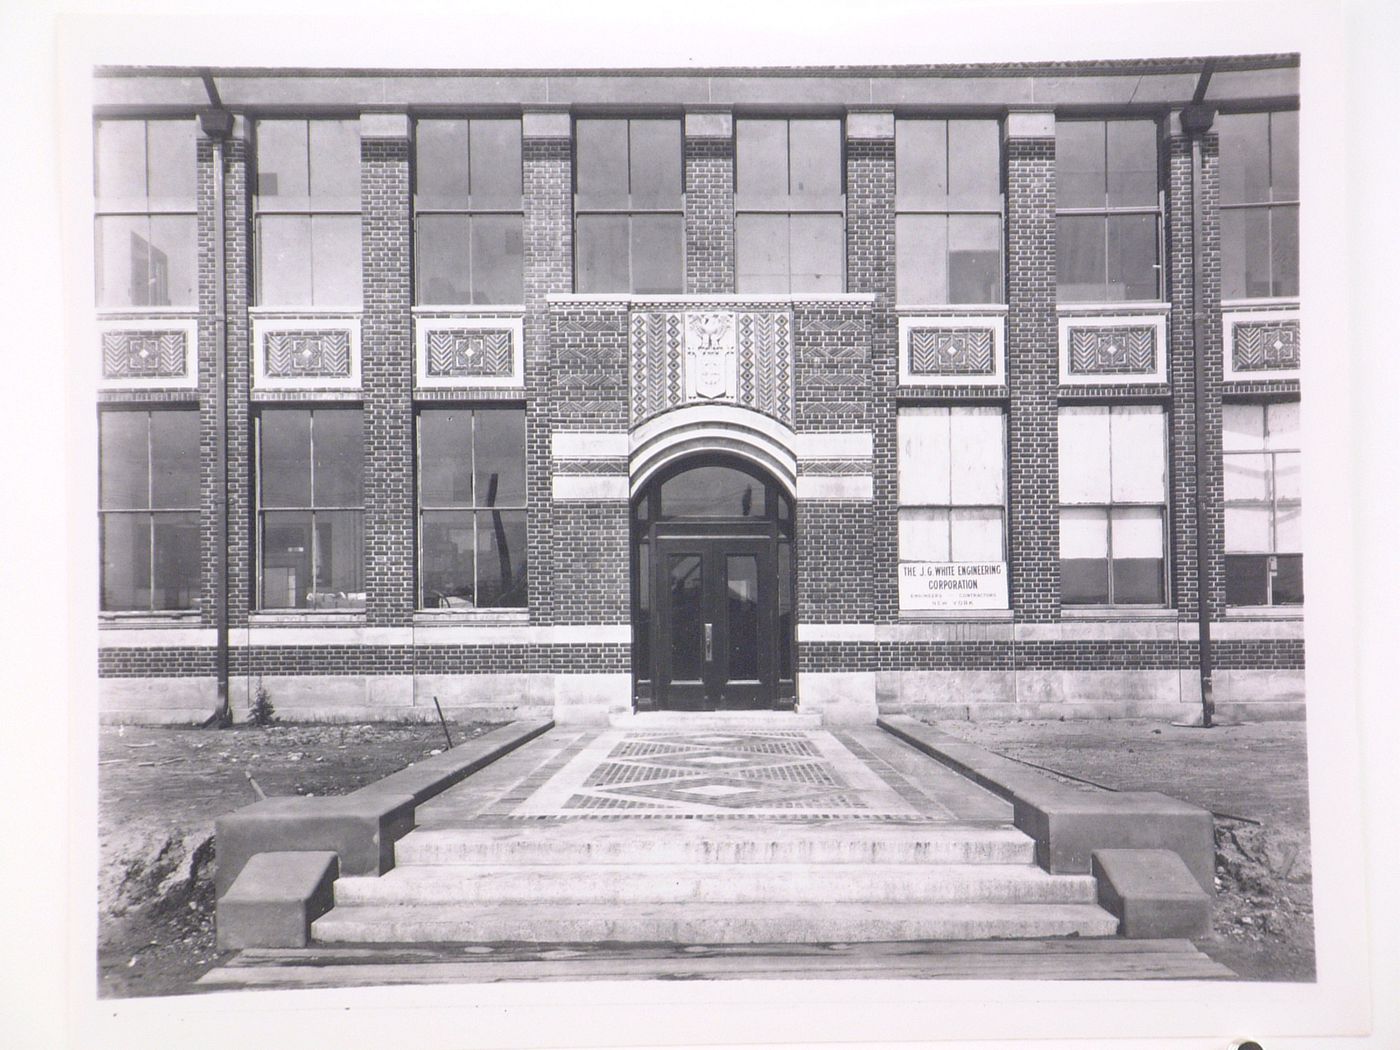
705 721
818 885
702 923
717 842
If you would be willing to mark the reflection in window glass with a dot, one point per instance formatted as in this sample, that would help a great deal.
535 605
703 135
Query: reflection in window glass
1108 210
145 227
311 508
471 485
1263 504
1112 505
713 491
148 501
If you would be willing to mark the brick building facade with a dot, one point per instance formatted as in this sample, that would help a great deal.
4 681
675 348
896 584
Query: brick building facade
574 393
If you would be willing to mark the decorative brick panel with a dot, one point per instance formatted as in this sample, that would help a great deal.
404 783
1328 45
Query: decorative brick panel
306 353
1112 348
469 352
1262 344
154 353
952 350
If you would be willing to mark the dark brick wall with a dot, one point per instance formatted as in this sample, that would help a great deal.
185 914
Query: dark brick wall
834 583
1120 655
870 268
591 563
709 216
588 372
386 337
1032 367
831 349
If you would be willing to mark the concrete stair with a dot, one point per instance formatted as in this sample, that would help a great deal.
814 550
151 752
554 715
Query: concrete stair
713 882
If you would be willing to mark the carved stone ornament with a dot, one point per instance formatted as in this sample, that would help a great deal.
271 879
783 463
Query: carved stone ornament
710 355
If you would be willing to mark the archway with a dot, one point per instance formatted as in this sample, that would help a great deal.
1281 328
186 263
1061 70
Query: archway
713 587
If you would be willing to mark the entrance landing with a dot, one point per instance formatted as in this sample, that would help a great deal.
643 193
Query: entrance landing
809 774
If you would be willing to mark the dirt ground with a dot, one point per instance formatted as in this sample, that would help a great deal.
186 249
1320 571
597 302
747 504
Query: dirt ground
1254 778
160 790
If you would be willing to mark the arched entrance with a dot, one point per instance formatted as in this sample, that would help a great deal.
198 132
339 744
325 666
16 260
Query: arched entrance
712 588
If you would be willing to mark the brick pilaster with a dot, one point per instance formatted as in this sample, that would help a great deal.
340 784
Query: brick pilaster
549 268
1186 570
870 268
386 333
1032 367
709 203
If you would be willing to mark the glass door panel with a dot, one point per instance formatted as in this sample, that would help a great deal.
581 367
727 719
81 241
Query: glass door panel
742 620
685 591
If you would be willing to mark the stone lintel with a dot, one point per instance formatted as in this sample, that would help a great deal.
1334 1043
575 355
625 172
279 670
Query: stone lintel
1030 124
546 124
384 126
709 124
863 125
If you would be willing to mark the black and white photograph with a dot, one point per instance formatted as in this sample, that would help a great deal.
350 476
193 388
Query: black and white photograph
805 533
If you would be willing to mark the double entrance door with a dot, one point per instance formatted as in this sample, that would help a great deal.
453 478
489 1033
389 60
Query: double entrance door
716 622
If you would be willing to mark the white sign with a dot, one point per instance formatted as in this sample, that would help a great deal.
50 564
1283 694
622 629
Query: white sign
952 585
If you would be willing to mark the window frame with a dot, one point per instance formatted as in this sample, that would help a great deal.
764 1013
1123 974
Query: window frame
470 212
261 509
146 207
264 206
1270 503
1158 211
788 205
906 204
475 510
1164 506
631 210
1269 206
900 506
149 513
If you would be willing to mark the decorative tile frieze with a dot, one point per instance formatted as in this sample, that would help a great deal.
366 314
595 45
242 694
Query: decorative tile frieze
833 467
468 351
306 353
148 354
1262 344
742 357
592 325
952 350
1110 348
827 325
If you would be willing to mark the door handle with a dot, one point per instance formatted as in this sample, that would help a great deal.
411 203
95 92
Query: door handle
709 642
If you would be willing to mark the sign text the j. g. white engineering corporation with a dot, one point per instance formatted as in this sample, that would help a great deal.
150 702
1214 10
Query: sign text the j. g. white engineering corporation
937 585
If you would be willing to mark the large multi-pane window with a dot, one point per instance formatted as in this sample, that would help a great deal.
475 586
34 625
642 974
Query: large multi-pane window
949 204
469 212
146 240
1107 210
311 508
789 226
471 508
149 509
1258 204
1113 496
629 223
1263 504
308 213
952 484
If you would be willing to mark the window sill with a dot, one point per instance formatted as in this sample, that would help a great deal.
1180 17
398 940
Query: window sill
431 617
1264 612
269 619
952 615
1117 612
146 619
468 309
1126 306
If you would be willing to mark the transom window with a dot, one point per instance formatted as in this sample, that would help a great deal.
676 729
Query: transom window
1113 485
469 215
308 213
311 508
948 230
1263 504
471 508
952 484
1258 204
789 226
1108 210
146 240
629 223
149 509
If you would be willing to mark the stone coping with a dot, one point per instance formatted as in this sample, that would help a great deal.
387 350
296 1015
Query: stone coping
1070 823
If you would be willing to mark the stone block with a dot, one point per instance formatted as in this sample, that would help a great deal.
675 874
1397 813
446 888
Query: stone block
1152 892
275 898
359 829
